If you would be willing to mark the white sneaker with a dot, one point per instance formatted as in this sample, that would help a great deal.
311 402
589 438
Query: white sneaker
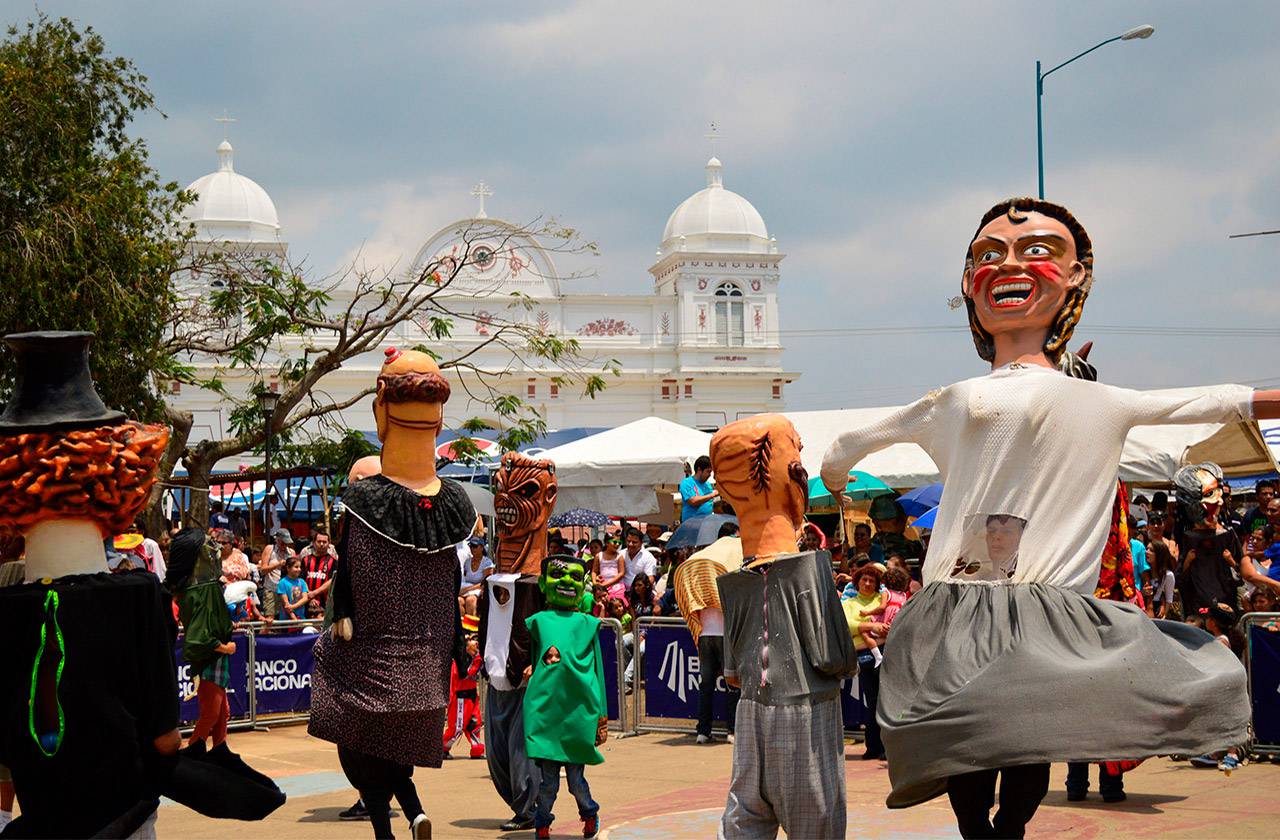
703 739
730 738
421 827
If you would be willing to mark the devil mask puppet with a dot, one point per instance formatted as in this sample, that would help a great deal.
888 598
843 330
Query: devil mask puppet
525 495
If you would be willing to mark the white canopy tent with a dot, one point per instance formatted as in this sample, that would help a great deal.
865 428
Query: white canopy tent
616 471
1151 453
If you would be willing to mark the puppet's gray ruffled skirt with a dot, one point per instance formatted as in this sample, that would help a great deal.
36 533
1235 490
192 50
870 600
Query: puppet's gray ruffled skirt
979 676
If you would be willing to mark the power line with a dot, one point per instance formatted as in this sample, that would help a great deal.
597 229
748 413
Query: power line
938 329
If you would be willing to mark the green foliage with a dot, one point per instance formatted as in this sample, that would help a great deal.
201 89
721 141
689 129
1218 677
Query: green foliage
337 454
89 235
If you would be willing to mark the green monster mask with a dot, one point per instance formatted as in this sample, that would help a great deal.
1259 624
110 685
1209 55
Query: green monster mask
563 580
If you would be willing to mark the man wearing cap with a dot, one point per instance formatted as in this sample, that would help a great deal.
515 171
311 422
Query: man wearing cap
890 521
270 564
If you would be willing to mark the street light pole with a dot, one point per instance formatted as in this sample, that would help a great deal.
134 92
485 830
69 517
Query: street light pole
267 400
1039 129
1137 33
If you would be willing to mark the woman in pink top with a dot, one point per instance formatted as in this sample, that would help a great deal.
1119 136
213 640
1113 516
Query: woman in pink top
235 566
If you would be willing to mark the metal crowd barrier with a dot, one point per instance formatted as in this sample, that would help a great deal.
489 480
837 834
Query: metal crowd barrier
275 719
676 686
680 673
1262 661
248 632
616 627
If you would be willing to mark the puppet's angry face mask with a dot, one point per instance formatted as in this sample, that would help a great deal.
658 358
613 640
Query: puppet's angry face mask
525 493
563 581
1199 493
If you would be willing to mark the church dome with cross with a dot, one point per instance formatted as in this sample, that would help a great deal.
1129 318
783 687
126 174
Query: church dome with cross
231 207
717 221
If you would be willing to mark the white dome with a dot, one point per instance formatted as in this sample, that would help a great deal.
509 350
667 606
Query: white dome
231 207
716 220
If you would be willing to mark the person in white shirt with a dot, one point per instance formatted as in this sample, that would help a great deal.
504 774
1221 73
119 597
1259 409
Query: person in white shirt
637 559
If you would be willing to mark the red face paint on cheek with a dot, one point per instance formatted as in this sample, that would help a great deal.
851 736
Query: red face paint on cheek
981 276
1045 270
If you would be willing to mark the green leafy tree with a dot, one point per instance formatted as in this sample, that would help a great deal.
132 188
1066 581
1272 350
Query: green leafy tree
90 236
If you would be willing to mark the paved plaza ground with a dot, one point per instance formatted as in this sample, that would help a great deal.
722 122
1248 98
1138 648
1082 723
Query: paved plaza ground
663 786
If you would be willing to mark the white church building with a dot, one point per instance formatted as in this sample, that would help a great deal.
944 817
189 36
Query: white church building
699 347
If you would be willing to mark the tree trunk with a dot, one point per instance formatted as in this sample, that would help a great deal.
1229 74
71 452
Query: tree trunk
199 463
153 519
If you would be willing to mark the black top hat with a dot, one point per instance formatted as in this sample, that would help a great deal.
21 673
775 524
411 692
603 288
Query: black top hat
54 391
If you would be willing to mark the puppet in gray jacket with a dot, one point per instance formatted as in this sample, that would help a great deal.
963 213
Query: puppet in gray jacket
787 644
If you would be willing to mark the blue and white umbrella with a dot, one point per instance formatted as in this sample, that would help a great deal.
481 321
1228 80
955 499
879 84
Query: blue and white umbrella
579 517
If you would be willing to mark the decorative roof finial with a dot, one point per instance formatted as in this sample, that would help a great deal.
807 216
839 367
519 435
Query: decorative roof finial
224 148
481 191
714 178
713 135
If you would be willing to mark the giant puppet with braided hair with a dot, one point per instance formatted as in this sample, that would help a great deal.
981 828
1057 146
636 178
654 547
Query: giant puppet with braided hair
786 644
381 683
980 654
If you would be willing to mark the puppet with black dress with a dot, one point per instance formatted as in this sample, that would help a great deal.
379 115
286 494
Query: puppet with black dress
89 703
380 688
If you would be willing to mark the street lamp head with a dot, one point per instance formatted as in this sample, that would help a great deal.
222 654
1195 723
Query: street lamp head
1144 31
267 401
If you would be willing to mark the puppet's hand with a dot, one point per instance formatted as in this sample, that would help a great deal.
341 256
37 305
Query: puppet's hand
343 629
168 743
602 731
226 647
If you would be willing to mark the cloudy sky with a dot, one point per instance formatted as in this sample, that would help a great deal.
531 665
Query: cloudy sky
871 136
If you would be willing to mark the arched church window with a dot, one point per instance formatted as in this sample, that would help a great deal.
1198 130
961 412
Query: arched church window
730 320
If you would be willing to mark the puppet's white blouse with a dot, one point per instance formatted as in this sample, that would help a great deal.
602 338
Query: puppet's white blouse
1029 459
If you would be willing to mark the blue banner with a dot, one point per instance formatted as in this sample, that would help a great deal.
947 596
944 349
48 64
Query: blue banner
1264 646
282 672
672 680
237 689
609 655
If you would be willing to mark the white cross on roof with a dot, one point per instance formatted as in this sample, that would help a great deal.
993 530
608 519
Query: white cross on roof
482 191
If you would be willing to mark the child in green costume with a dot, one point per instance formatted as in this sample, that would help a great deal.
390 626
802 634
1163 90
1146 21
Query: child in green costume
565 717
